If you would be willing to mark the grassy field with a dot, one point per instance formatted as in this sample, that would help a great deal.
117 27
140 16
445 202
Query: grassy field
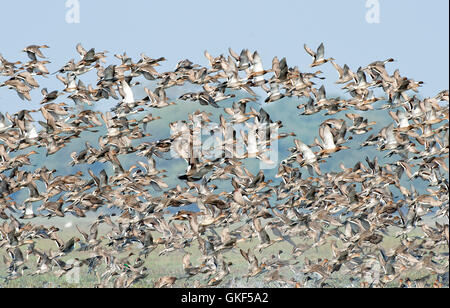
171 264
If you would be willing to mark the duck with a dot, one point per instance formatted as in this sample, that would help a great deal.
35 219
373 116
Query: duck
328 144
307 158
318 56
158 98
273 93
64 247
22 90
345 74
35 50
257 70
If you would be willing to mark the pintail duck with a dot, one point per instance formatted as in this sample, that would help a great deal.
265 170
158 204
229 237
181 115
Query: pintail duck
328 144
273 94
280 69
64 247
345 74
360 124
22 90
319 56
3 123
215 63
243 59
157 98
8 68
165 281
257 70
310 107
35 50
307 157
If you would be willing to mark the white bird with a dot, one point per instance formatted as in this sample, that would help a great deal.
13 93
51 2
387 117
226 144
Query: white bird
257 70
126 92
309 158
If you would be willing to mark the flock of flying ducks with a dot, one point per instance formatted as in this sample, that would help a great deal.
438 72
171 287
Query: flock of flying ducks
350 211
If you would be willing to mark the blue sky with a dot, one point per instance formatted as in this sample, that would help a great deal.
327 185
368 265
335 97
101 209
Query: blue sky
415 33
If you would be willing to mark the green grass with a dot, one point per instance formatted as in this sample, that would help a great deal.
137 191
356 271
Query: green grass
170 265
